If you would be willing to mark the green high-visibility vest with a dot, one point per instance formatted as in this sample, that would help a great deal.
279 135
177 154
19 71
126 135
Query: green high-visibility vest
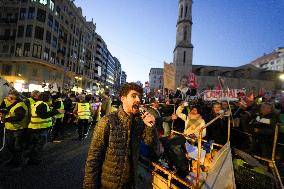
37 122
60 115
84 110
20 125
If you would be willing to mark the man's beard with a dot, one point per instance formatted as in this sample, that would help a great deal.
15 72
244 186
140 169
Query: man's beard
135 107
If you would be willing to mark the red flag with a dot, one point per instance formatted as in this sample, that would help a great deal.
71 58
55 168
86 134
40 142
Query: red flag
261 91
192 81
246 100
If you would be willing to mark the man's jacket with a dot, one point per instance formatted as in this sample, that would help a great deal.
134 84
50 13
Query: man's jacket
114 151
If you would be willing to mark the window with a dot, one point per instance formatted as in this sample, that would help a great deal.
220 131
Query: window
50 20
6 69
7 33
52 57
54 42
48 37
20 31
20 69
12 49
31 13
184 57
34 72
29 30
44 2
185 12
56 26
46 54
41 15
37 51
19 49
39 31
22 13
51 5
5 49
181 11
27 47
57 11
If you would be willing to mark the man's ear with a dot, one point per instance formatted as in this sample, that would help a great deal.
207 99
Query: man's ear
122 98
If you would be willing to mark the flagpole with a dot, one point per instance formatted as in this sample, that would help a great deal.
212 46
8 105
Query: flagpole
230 110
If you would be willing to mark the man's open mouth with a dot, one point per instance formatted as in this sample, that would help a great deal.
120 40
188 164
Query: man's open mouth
135 107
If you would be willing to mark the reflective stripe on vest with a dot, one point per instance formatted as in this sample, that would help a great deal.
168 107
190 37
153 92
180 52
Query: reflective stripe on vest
19 125
60 115
37 122
84 110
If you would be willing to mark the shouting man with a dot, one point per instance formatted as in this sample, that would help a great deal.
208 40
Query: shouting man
114 150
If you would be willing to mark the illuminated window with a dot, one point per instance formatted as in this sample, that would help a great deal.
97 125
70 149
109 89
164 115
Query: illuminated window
44 2
51 5
19 49
37 51
46 54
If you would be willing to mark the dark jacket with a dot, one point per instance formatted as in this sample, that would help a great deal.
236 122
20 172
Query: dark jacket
114 151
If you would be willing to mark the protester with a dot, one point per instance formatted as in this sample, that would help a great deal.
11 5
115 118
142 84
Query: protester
106 104
218 130
41 122
263 127
116 138
58 127
84 112
15 119
181 111
194 123
168 116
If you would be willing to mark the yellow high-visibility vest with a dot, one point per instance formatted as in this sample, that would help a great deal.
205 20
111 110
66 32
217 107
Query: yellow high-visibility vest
60 115
20 125
84 110
37 122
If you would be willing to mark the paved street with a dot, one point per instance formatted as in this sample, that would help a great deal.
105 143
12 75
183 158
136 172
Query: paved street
62 166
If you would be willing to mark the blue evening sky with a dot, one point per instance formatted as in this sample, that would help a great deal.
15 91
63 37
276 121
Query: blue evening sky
141 33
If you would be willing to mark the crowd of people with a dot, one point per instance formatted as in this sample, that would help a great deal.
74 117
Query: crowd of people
31 120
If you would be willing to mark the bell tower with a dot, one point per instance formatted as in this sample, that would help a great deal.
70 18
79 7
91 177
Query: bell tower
183 49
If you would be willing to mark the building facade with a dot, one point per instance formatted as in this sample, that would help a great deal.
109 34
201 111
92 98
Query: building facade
123 77
248 77
49 41
271 61
156 79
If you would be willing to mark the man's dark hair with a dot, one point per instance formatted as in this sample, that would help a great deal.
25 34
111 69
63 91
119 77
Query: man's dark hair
127 87
44 96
